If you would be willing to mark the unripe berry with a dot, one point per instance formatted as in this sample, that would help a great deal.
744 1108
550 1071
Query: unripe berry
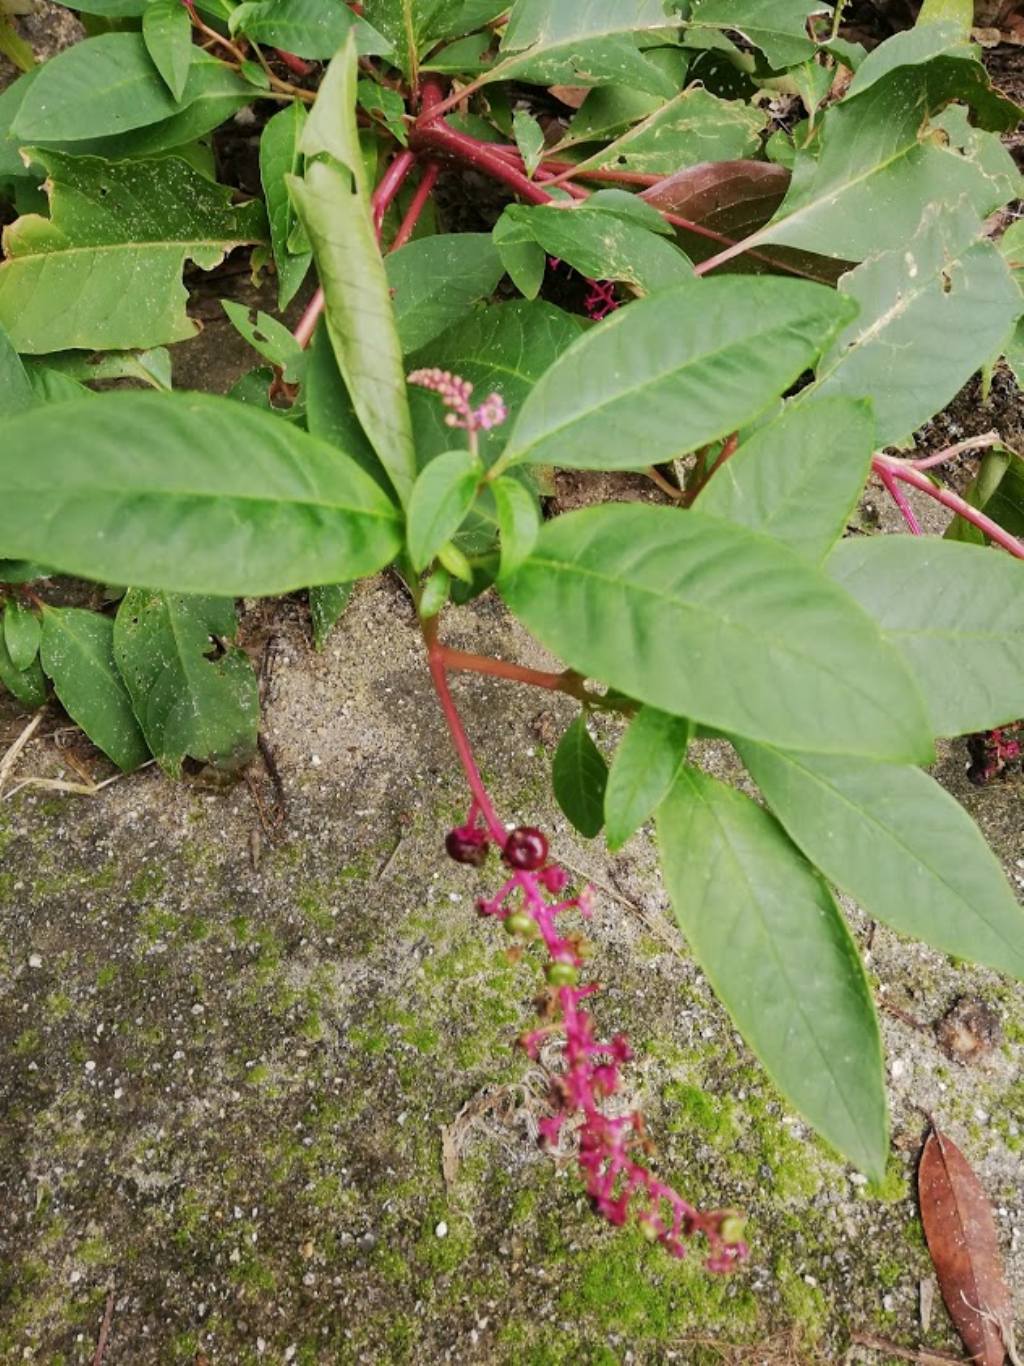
519 923
732 1228
466 846
526 849
562 974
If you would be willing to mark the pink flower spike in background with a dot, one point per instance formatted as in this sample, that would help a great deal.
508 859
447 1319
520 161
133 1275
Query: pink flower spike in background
455 393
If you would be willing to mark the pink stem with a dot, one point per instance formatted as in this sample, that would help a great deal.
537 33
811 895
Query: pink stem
899 498
294 64
390 183
437 138
419 203
460 740
951 500
307 323
975 443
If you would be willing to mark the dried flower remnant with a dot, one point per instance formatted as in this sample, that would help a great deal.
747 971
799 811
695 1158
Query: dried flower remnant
612 1148
995 753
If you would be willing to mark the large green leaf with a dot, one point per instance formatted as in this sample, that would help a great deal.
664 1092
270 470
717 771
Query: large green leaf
932 312
186 702
330 413
78 655
777 27
675 371
956 614
798 478
578 775
584 42
149 489
646 765
102 86
705 619
280 157
862 191
693 128
960 12
435 281
776 950
503 348
900 845
167 32
309 28
112 252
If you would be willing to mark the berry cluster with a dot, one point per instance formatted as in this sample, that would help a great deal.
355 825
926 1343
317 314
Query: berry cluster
611 1146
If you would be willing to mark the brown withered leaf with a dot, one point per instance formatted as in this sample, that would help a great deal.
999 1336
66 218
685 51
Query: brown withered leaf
964 1246
735 199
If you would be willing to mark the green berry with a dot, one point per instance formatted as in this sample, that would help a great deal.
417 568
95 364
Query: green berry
519 923
562 974
733 1228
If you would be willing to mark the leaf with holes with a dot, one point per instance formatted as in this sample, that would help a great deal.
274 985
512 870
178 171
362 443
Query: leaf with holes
777 27
113 251
776 949
78 655
188 703
932 312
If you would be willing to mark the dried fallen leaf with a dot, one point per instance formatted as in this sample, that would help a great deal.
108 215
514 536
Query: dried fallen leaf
964 1246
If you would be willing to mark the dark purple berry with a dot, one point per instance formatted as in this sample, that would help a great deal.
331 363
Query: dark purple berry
525 849
466 845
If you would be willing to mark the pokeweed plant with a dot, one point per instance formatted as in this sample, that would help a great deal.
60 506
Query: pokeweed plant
764 313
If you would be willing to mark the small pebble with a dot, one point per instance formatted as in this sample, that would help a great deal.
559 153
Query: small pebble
35 960
90 1066
441 1230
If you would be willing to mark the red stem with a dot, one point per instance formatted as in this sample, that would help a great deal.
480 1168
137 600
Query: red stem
899 498
728 450
390 183
438 139
435 659
294 64
951 500
419 203
567 682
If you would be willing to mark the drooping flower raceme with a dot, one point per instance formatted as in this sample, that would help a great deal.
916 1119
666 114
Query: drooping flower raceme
456 394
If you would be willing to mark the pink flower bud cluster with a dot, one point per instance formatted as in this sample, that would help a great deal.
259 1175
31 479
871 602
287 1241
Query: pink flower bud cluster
996 752
456 393
601 300
611 1146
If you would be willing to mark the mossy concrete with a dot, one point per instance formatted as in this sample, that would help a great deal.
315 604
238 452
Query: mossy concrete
229 1061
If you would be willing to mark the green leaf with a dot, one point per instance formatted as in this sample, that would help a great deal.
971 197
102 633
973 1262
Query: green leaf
932 312
113 251
15 386
151 367
13 170
96 88
524 259
187 703
799 478
270 338
331 128
435 281
330 413
596 240
150 490
78 655
539 25
579 774
693 128
21 571
308 28
279 158
503 348
956 614
441 497
707 620
777 27
21 634
327 603
646 764
900 845
529 136
861 189
518 521
360 319
775 948
674 372
28 686
959 12
167 33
